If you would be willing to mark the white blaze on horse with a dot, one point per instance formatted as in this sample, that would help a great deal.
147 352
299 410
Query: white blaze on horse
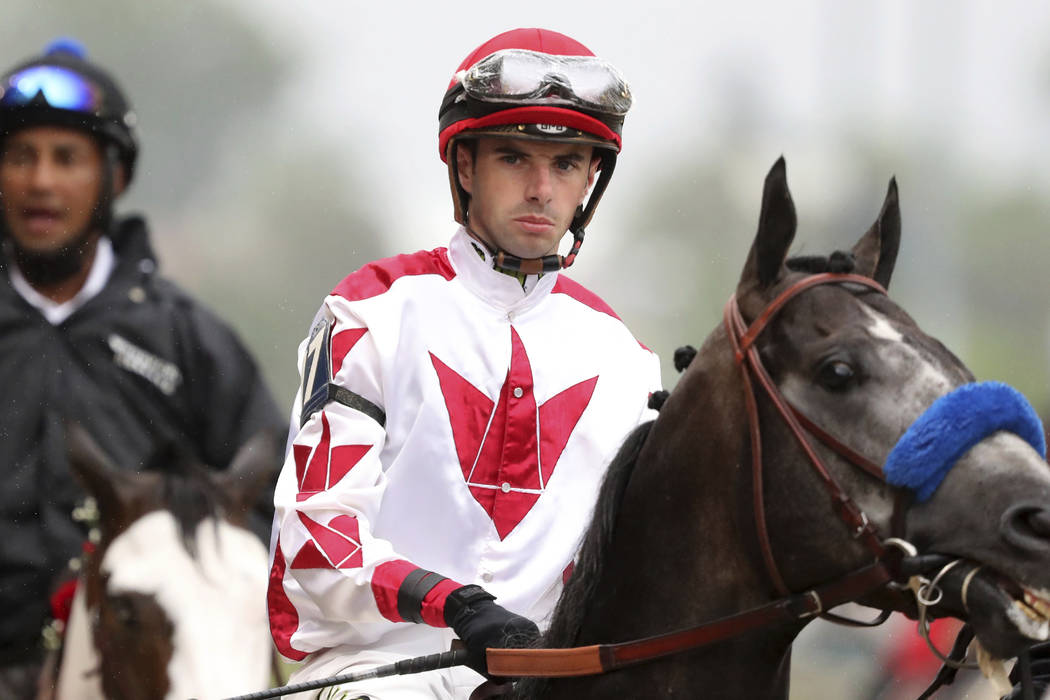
172 601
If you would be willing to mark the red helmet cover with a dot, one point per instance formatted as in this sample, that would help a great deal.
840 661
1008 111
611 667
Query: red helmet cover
532 39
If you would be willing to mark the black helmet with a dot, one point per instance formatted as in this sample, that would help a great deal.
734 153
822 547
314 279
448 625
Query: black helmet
60 87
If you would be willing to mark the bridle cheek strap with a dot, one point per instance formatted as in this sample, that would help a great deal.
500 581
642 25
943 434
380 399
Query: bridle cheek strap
743 337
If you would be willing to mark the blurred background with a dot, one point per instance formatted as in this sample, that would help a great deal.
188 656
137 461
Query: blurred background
285 144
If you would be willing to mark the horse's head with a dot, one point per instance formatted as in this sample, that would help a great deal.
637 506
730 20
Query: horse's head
758 498
175 589
854 364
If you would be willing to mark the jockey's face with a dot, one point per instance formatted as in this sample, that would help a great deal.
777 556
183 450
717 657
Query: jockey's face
523 193
50 181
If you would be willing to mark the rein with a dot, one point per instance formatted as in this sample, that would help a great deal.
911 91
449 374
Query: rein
601 658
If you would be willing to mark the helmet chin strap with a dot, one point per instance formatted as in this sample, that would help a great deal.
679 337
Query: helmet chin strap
533 266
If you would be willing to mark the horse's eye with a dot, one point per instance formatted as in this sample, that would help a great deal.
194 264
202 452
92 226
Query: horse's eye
836 375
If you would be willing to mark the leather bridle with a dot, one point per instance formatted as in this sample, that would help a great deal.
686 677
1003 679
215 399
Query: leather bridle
791 607
743 338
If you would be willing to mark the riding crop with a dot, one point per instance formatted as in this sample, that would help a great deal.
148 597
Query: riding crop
418 664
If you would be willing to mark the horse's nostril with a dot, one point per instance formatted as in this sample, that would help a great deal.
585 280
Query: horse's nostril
1027 525
1039 522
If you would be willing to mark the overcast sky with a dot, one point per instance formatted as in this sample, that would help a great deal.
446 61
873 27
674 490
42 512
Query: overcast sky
951 95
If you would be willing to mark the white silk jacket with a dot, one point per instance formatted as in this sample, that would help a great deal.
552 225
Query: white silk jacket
489 418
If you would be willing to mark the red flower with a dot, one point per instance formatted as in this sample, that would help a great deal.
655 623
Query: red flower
62 600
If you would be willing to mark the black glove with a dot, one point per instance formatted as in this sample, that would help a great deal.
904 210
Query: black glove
482 624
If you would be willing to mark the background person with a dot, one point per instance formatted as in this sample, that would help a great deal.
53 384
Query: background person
89 331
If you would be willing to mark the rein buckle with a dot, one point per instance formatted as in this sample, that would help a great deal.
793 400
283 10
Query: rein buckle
815 597
863 527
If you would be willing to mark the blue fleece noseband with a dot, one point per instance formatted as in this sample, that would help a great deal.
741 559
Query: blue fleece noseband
951 426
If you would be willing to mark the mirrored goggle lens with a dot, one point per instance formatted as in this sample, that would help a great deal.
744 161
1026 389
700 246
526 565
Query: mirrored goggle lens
60 87
516 75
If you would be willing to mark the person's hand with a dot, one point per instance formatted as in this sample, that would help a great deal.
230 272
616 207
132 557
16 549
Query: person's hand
482 624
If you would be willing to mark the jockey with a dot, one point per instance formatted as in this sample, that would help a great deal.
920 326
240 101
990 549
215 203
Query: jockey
90 333
73 97
458 406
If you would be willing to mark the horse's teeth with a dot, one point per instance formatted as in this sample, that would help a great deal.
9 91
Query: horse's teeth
1028 621
1028 611
1038 605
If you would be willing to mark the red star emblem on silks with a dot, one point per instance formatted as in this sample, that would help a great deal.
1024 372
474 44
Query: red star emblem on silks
321 466
509 448
336 545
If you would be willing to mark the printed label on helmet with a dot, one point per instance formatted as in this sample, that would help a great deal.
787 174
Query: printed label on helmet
551 128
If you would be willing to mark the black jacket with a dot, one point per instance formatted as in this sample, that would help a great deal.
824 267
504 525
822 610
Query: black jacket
139 364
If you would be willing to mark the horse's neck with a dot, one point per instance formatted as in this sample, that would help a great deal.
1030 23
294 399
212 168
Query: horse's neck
692 556
78 677
686 516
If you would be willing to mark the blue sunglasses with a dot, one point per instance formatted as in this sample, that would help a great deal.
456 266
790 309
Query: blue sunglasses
61 88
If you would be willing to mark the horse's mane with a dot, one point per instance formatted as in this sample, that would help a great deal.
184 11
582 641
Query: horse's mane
187 491
838 262
574 602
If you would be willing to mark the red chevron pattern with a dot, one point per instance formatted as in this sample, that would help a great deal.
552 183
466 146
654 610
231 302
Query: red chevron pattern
320 467
336 545
284 618
508 449
342 343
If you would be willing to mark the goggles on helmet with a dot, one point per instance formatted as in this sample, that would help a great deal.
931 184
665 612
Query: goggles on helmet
530 77
62 88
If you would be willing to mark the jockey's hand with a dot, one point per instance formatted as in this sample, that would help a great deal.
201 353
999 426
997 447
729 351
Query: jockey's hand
481 624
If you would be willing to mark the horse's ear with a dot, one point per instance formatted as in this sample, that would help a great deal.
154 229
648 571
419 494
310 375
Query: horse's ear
112 488
776 230
253 469
876 251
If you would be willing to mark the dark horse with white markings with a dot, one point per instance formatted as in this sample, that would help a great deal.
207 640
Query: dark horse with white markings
171 601
738 496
